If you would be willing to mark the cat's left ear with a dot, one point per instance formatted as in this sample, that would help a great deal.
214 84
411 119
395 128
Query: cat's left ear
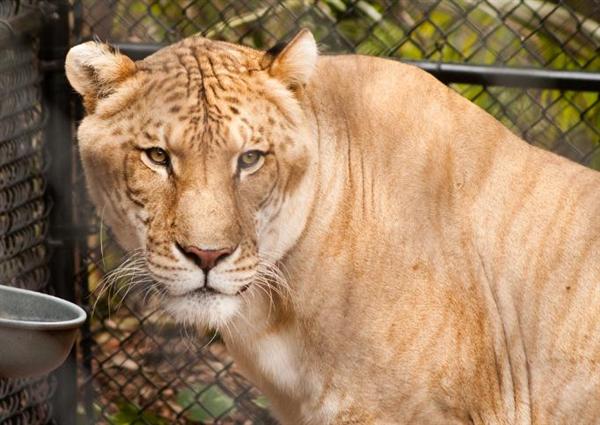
295 63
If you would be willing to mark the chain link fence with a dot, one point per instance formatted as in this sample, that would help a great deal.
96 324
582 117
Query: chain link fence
136 366
23 207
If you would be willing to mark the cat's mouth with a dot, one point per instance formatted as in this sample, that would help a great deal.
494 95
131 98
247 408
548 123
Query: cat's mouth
210 291
203 291
205 306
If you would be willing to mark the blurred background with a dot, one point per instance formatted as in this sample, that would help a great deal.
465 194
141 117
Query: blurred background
533 64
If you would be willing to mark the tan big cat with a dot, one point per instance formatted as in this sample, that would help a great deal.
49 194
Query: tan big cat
373 248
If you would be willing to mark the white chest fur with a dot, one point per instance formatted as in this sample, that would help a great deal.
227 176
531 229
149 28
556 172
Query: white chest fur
278 361
275 362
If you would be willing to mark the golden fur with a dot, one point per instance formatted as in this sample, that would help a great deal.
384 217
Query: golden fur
410 260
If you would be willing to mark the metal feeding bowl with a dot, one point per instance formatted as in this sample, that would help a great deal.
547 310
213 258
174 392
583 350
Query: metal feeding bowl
37 332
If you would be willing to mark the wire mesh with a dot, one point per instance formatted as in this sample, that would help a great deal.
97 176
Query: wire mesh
550 34
137 367
23 208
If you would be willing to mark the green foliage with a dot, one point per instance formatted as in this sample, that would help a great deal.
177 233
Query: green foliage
131 414
262 402
202 404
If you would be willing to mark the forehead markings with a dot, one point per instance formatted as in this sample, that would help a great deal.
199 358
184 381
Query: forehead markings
212 85
186 75
213 77
193 89
148 86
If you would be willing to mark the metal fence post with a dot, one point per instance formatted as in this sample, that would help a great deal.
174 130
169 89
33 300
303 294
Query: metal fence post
54 42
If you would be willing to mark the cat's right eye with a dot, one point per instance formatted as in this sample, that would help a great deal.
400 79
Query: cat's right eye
158 156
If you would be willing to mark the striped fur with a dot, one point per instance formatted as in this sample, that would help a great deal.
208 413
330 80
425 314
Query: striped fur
411 261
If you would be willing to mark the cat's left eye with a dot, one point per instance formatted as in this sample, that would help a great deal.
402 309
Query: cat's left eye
158 156
250 159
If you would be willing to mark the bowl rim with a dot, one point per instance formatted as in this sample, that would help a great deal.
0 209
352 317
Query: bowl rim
36 325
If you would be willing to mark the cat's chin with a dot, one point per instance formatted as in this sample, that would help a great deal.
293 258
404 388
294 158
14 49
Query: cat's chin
213 311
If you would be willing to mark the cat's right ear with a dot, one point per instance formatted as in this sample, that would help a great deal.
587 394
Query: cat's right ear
294 63
95 69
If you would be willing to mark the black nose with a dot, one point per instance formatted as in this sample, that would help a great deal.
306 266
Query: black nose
206 259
